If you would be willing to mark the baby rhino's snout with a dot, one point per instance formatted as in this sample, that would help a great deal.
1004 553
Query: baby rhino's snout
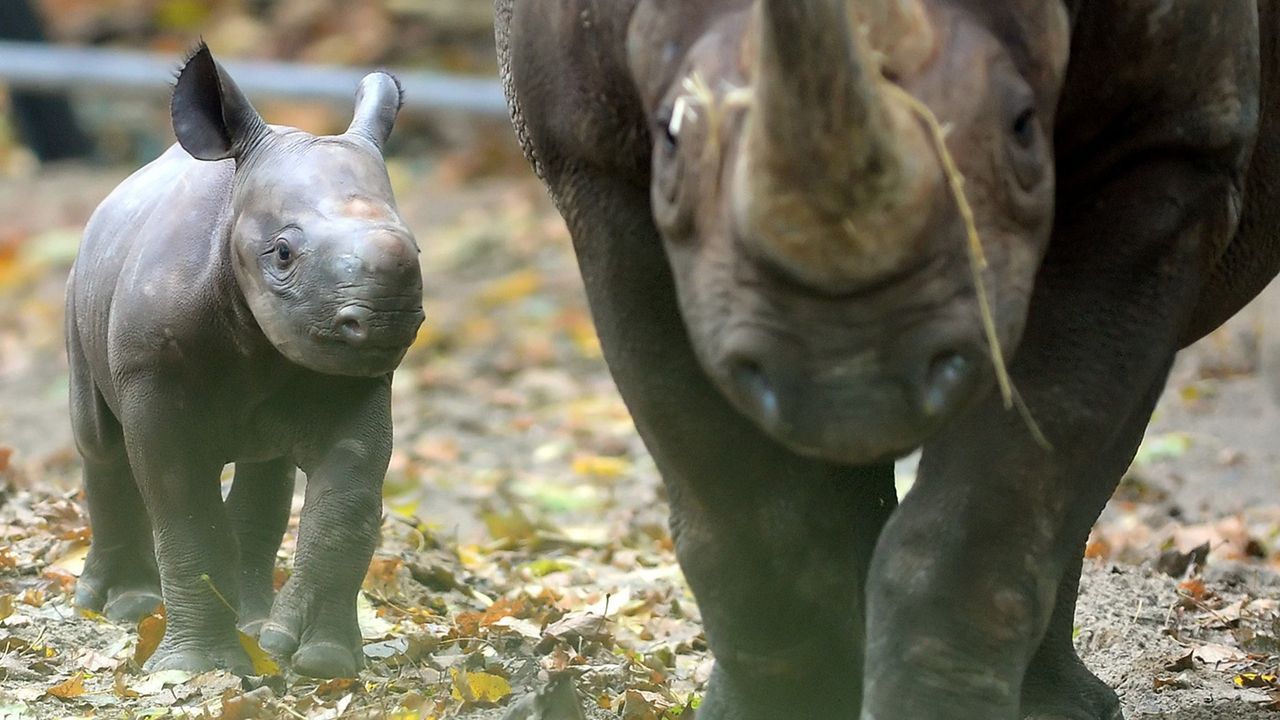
385 307
353 324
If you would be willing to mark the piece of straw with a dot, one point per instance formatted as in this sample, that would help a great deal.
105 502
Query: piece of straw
977 260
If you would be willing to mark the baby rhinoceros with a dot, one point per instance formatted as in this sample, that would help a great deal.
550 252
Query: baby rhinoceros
242 299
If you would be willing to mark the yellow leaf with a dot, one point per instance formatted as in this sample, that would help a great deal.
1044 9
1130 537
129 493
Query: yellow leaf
479 687
512 287
6 606
1255 680
73 561
69 688
150 632
91 615
600 466
262 662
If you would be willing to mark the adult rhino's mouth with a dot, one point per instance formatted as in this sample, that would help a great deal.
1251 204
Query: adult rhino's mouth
840 390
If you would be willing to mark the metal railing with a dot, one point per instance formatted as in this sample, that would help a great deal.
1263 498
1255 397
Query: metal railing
38 66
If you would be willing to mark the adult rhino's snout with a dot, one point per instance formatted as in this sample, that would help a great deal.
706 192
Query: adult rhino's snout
806 402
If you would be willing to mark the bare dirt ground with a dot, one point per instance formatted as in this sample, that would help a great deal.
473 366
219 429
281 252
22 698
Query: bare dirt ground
525 535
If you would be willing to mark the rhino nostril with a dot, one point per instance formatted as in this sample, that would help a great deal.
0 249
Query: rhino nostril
948 372
754 385
352 324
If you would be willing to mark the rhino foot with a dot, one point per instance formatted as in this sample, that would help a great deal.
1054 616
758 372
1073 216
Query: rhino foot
199 659
318 657
756 697
1068 692
123 593
1075 714
326 646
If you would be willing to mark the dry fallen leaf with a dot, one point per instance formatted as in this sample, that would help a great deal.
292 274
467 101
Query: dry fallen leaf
558 700
1215 654
262 662
600 466
1255 680
635 706
1194 588
334 688
70 688
120 686
479 687
150 632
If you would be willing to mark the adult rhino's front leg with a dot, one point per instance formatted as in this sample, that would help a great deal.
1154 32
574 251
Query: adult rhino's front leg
313 620
967 574
774 545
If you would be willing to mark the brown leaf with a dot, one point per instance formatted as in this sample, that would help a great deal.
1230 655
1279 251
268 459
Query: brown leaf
1215 654
1185 662
1174 683
575 627
1194 589
70 688
64 581
334 688
384 572
150 632
121 687
636 706
504 607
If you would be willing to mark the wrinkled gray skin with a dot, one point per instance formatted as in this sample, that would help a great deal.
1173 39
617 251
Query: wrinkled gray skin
244 298
782 291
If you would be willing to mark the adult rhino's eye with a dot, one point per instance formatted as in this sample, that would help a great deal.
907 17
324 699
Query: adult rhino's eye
1025 153
671 206
668 132
1024 128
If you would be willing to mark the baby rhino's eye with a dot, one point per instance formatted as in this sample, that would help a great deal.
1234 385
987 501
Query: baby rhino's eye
284 253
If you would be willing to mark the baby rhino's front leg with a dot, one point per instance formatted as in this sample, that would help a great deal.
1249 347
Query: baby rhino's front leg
314 616
178 478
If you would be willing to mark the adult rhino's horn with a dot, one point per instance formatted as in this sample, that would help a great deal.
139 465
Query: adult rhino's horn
831 159
817 98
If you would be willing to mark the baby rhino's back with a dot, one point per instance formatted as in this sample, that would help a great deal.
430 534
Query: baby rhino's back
153 252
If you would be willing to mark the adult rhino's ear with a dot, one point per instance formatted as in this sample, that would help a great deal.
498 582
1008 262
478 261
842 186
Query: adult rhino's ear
211 117
378 102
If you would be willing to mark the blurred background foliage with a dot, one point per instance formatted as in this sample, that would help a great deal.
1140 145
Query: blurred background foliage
443 35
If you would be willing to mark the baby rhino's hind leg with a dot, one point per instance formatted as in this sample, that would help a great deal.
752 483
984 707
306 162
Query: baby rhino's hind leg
120 578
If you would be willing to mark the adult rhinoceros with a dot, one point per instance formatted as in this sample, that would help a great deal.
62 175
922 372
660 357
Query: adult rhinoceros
777 207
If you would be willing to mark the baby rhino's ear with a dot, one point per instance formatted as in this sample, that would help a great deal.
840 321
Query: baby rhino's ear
377 104
211 117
